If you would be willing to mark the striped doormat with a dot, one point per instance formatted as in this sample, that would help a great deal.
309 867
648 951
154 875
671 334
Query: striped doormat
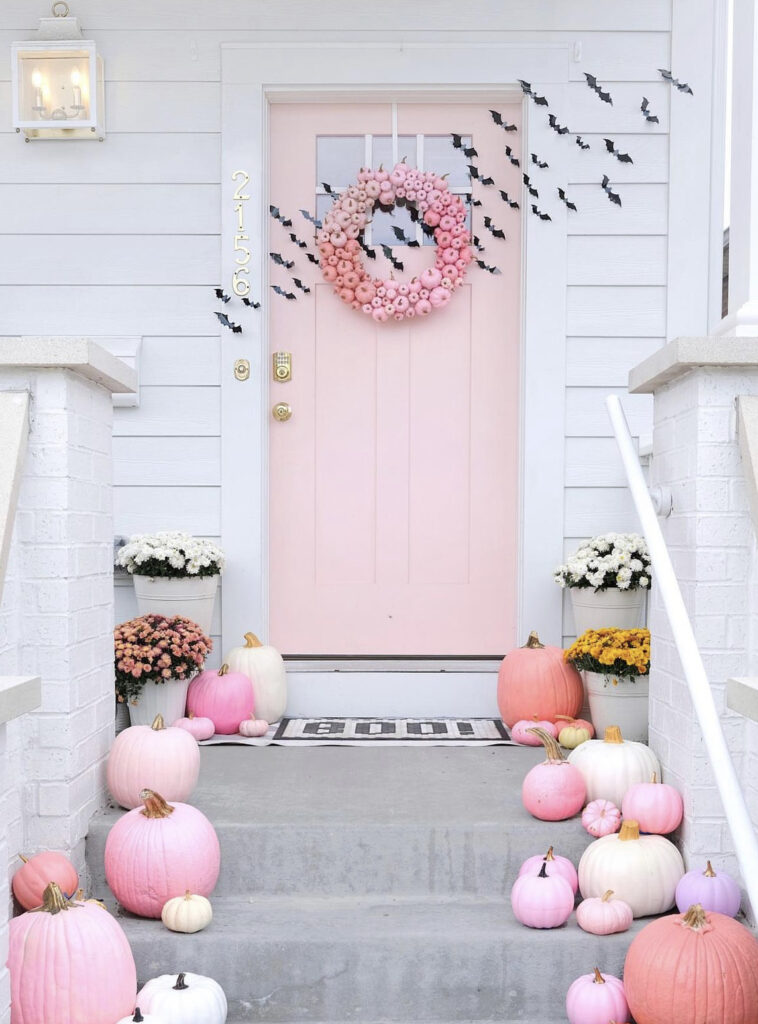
388 732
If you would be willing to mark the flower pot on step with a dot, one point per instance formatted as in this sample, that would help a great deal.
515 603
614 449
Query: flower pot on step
190 596
615 700
600 609
168 699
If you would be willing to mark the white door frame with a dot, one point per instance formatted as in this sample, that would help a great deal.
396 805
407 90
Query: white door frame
255 74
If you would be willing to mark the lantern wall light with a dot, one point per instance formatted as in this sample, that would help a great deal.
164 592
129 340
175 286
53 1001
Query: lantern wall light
58 82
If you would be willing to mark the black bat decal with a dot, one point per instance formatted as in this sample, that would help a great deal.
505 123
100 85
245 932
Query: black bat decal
250 303
489 269
401 236
681 86
221 294
553 122
542 216
472 201
312 258
624 158
224 319
278 215
477 243
613 196
280 260
473 171
532 191
494 231
457 140
397 264
564 199
367 249
540 163
507 199
297 241
488 181
513 159
581 143
303 287
526 88
282 292
498 119
313 220
592 83
645 108
328 189
468 151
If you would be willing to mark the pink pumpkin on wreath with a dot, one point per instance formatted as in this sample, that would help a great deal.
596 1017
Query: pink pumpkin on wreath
223 696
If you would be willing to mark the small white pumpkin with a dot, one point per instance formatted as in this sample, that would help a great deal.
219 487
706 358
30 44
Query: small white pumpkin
184 999
189 913
264 666
253 727
139 1017
611 765
642 870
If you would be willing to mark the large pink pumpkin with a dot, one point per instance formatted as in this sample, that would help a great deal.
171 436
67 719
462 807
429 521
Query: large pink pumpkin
541 900
657 807
225 697
555 789
70 962
36 873
534 681
553 866
152 757
160 851
596 999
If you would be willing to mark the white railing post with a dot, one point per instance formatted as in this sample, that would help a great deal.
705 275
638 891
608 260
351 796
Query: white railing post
730 791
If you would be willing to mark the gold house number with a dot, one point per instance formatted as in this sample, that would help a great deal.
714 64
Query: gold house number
240 282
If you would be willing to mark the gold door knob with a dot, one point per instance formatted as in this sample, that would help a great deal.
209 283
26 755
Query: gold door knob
282 412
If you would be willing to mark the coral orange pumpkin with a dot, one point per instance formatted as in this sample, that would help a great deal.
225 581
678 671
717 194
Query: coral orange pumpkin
693 968
36 873
535 682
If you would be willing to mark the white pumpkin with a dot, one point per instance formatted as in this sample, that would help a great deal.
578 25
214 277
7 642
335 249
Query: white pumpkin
611 765
642 870
189 913
138 1017
184 999
264 666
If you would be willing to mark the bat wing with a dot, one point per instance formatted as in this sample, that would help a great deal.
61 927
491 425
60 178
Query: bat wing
473 171
223 318
496 117
605 97
591 80
488 181
525 86
457 141
541 101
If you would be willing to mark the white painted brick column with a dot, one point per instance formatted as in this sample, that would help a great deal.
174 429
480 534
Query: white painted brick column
711 538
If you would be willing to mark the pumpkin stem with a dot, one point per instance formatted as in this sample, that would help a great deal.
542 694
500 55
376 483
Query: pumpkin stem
53 900
613 735
188 895
654 777
599 979
191 715
533 643
223 670
23 858
606 895
709 872
251 640
180 983
543 871
630 829
155 805
565 718
137 1016
554 752
158 723
549 855
695 918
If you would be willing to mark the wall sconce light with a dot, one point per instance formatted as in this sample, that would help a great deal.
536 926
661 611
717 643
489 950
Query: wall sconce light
58 82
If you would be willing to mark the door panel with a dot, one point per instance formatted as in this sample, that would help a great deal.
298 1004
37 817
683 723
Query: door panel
394 486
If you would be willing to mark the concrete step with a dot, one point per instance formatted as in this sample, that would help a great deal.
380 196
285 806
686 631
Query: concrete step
361 959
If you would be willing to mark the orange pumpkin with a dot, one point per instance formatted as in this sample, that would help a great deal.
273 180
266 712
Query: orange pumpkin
693 968
535 682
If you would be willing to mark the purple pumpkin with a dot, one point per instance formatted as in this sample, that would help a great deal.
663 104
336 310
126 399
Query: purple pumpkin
717 893
225 697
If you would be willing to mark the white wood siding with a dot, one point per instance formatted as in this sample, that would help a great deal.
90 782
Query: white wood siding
123 238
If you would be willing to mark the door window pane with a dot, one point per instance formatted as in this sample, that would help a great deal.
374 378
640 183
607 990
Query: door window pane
339 158
382 224
382 151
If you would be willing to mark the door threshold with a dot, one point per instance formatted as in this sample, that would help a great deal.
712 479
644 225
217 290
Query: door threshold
318 664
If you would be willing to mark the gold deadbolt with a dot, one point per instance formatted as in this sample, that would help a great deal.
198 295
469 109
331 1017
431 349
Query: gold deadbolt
282 366
242 369
282 411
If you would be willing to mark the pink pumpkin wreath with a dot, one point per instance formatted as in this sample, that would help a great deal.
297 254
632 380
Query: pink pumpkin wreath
340 247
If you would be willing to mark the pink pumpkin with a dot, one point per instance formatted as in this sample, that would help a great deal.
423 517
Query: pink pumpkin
36 873
522 731
657 807
596 999
70 962
252 727
541 900
225 697
555 789
554 866
604 915
160 851
152 756
601 818
199 728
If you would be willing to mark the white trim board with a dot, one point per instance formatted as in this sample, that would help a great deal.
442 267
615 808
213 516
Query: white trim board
255 74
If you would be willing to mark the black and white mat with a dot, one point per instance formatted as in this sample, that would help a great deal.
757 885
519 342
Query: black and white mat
388 732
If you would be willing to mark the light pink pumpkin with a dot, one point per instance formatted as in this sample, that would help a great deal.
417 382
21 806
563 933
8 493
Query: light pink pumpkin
596 999
223 696
253 727
555 789
604 915
199 728
160 851
553 865
36 873
656 806
601 817
152 757
522 731
69 962
541 900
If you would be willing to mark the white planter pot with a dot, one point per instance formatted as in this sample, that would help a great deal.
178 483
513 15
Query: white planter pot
122 717
603 609
192 597
622 702
168 699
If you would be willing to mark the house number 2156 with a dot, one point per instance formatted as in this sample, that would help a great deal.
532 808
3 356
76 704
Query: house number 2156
240 282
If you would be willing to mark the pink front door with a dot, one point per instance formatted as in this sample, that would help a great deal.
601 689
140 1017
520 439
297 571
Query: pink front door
394 484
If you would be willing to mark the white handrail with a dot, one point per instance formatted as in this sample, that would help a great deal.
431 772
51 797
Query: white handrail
730 791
